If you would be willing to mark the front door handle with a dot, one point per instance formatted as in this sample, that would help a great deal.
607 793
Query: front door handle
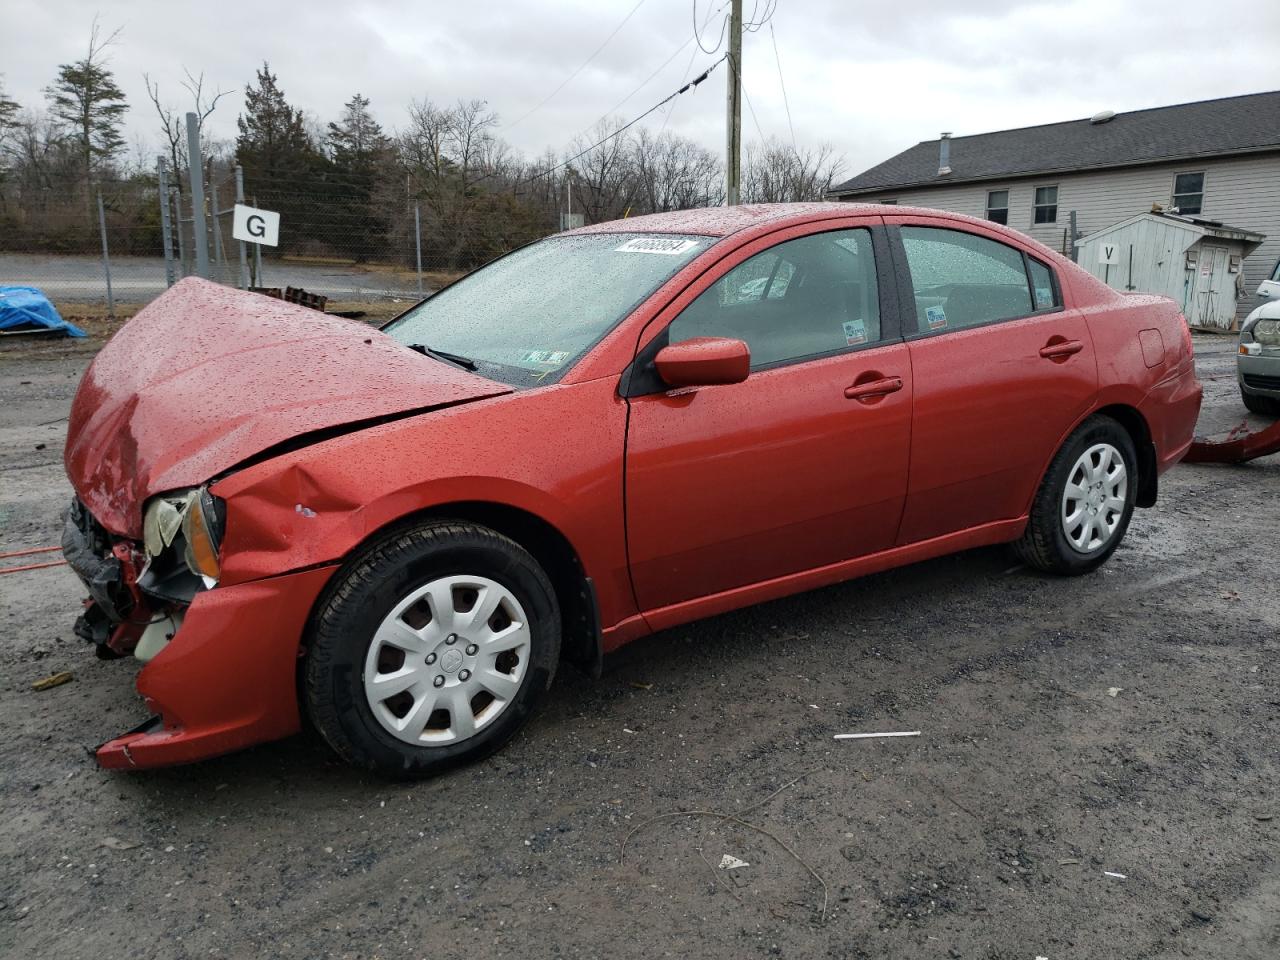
873 389
1059 349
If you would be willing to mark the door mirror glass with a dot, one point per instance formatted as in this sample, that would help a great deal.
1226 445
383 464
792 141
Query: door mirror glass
703 362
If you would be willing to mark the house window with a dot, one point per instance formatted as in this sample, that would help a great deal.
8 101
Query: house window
1188 192
998 206
1046 205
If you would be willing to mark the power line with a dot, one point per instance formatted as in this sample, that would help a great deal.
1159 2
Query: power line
782 83
643 84
746 96
697 33
583 66
622 129
666 118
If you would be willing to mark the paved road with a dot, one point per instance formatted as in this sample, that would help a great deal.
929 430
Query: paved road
995 835
75 279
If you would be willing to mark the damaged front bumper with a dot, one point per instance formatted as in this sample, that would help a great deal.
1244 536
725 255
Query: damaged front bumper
227 676
228 679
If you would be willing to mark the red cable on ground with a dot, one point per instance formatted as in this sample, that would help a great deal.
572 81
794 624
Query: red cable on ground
33 566
27 553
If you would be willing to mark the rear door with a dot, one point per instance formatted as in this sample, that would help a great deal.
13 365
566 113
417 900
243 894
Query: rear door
1001 370
805 462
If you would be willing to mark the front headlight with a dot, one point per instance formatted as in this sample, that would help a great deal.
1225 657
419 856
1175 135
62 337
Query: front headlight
202 529
190 524
1267 333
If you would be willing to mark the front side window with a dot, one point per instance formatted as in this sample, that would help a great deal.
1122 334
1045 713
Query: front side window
1043 290
998 206
1046 205
806 297
525 317
1188 192
961 280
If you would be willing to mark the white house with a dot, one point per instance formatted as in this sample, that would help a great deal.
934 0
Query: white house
1217 160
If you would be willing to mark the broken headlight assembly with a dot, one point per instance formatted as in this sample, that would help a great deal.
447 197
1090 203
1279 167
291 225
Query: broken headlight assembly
181 536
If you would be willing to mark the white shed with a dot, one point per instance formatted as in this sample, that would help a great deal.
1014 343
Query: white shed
1195 261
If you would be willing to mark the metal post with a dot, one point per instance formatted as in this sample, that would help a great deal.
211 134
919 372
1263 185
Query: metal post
217 231
733 108
196 167
1075 236
244 260
417 236
166 231
176 196
106 259
257 258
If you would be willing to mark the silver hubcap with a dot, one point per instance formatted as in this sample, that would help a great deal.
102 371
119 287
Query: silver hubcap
1094 500
447 660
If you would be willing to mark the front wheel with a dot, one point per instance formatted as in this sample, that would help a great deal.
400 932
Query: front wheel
431 650
1082 509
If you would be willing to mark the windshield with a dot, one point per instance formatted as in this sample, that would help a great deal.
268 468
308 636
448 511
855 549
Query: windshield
527 316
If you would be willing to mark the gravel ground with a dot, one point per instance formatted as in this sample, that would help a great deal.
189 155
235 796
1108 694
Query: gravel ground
1124 723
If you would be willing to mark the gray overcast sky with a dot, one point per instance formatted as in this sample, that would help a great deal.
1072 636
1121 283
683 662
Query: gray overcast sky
870 78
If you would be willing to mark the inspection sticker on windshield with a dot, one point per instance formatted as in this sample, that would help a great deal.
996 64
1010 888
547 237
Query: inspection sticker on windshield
552 357
936 316
666 245
855 332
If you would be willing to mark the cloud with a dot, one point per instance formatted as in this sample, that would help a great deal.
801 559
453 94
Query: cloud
870 78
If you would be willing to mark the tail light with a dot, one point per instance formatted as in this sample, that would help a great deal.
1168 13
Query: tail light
1188 349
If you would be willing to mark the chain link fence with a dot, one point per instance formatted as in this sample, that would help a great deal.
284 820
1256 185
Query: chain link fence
351 243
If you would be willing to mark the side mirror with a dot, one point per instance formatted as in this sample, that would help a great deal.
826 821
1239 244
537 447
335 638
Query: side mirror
703 362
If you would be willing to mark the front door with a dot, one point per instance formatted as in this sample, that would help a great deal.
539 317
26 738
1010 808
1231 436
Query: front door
802 464
1001 371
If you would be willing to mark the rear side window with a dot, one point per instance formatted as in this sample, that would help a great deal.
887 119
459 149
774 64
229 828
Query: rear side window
961 280
806 297
1043 290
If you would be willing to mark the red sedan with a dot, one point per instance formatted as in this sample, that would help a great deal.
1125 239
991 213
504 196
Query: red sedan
399 534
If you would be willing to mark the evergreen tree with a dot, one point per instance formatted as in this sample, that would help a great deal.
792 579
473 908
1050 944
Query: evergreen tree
282 165
8 112
85 100
273 146
359 153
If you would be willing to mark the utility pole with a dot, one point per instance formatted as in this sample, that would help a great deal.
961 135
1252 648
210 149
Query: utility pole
733 108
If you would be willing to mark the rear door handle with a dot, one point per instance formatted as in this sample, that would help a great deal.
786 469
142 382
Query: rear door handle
873 389
1061 350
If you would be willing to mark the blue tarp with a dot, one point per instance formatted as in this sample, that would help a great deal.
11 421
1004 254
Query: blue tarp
26 308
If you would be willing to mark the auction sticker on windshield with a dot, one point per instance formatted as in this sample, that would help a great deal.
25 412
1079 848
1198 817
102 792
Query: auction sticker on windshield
670 246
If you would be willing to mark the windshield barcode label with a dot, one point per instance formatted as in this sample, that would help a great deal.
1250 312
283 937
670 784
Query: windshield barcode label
667 245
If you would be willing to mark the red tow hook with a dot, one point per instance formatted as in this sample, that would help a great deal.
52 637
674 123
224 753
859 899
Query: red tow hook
1239 446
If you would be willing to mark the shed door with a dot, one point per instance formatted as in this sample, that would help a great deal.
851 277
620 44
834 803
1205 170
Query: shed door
1211 282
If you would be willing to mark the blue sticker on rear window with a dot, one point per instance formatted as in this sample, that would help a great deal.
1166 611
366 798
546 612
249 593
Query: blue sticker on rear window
936 317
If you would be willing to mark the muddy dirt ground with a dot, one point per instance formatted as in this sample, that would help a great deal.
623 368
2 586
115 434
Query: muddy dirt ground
995 834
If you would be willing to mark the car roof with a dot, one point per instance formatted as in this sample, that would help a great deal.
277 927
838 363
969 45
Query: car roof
725 221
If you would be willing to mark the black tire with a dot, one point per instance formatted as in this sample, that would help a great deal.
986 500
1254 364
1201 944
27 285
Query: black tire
1044 544
1265 406
367 590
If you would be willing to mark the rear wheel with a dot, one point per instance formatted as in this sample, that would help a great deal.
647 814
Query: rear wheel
1082 509
1266 406
431 651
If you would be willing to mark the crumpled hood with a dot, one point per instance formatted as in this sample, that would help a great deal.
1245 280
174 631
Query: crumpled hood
206 377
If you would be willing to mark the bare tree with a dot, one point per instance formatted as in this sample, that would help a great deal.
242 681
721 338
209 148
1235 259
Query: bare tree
173 125
604 171
775 172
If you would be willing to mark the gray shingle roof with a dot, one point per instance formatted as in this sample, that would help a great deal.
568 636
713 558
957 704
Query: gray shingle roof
1207 128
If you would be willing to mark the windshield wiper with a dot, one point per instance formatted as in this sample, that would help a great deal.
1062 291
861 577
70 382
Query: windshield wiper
466 363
